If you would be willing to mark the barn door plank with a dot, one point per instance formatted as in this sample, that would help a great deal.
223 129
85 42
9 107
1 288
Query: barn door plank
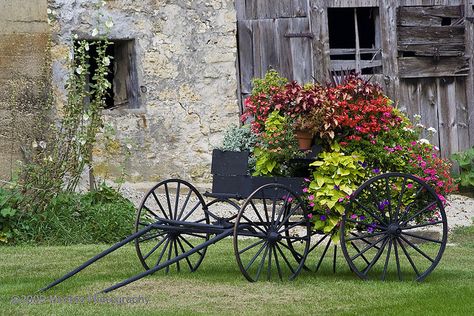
428 104
301 52
246 59
462 114
448 134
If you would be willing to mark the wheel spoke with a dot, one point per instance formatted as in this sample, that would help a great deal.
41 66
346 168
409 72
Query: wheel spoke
251 246
408 257
400 199
265 208
277 263
163 251
416 248
376 258
159 205
176 254
421 225
323 255
387 259
285 259
371 213
364 236
255 256
151 237
191 211
293 226
188 196
367 248
426 208
317 243
357 249
366 241
395 249
178 187
195 235
388 196
423 238
190 245
365 224
187 257
407 209
167 270
168 200
269 271
257 212
251 223
150 211
154 248
262 262
290 213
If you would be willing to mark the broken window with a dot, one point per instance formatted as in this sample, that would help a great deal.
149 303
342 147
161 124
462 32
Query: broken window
354 40
122 74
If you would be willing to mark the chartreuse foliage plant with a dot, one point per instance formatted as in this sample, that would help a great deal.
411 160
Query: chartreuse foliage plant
335 177
276 147
465 159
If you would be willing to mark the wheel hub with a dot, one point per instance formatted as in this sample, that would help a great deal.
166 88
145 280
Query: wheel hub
274 237
394 230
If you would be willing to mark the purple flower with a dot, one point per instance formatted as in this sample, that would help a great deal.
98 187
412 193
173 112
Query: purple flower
322 217
376 170
336 187
362 217
383 204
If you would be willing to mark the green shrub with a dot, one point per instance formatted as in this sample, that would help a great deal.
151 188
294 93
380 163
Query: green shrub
101 216
465 160
8 214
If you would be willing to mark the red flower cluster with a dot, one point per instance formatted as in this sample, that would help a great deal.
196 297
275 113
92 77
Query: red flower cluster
362 111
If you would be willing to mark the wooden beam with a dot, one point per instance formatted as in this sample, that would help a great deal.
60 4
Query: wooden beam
432 35
447 49
419 67
351 3
388 22
319 27
427 16
406 3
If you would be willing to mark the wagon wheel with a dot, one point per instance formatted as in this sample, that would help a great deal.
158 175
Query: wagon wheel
394 228
271 234
172 199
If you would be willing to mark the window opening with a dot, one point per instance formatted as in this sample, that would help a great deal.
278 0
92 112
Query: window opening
354 40
122 74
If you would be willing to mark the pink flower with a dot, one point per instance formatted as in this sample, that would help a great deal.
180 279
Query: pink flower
311 204
440 183
310 215
409 185
307 180
354 216
305 190
311 197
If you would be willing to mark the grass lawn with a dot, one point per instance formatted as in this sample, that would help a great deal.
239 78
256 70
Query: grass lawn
219 288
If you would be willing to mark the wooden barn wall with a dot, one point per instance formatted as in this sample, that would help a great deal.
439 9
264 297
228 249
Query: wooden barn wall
427 66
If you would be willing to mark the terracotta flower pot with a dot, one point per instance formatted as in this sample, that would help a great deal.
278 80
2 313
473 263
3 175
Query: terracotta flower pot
304 138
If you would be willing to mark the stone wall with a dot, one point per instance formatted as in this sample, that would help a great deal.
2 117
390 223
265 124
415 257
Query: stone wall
23 77
186 55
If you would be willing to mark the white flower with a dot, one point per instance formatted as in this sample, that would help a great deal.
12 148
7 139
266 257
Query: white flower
79 70
407 129
417 117
75 36
95 32
54 12
432 130
85 117
436 148
49 21
106 61
82 141
103 3
50 158
109 24
86 47
424 141
42 144
34 144
420 125
129 147
49 11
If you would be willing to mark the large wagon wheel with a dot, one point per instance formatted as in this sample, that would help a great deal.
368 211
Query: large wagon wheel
272 234
172 199
394 227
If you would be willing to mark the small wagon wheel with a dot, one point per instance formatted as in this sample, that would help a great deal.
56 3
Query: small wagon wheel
172 199
394 227
272 234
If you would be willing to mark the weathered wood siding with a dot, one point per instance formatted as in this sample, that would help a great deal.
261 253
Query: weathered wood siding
426 54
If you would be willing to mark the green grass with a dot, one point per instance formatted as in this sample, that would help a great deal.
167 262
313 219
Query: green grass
218 287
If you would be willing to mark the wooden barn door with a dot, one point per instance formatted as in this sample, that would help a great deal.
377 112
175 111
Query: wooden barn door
434 71
273 35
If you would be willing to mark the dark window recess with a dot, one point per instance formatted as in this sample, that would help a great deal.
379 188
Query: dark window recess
354 40
122 74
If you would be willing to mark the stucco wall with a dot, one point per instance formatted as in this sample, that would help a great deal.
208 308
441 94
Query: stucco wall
186 57
23 70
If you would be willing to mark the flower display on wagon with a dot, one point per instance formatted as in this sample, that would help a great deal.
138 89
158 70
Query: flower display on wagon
361 134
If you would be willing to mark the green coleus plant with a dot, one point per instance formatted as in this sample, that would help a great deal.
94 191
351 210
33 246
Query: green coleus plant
465 160
336 177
